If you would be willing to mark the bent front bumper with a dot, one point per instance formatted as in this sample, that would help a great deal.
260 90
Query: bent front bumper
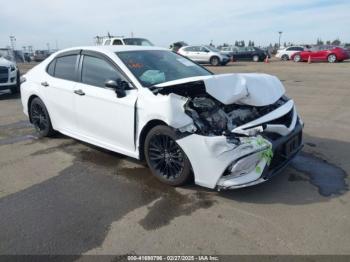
284 150
216 162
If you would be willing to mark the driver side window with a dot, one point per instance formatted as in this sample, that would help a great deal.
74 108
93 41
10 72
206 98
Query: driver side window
96 71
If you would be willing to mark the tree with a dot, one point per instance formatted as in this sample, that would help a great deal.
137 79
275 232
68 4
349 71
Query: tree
328 42
252 43
319 41
336 42
236 43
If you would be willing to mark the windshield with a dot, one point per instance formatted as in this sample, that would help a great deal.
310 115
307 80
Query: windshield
212 48
137 41
152 67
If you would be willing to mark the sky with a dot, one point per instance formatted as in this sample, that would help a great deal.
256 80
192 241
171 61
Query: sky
67 23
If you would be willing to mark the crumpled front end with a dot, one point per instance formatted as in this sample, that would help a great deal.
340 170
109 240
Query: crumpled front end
243 131
219 162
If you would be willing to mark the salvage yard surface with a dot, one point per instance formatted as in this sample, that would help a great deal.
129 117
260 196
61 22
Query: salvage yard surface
62 196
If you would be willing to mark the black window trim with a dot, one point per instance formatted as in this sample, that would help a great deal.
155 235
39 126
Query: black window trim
103 57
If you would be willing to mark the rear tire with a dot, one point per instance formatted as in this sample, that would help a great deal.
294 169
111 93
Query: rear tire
40 118
332 58
297 58
214 61
165 158
255 58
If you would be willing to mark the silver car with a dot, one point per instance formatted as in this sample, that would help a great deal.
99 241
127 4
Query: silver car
204 54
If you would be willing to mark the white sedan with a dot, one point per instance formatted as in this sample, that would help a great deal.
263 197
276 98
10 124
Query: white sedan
227 131
287 52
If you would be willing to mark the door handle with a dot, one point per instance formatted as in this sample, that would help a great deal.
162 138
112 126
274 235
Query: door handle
79 92
46 84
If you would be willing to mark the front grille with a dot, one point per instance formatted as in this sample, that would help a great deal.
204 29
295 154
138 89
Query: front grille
4 74
283 120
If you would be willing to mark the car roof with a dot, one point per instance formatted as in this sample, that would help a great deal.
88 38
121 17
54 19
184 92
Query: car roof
113 48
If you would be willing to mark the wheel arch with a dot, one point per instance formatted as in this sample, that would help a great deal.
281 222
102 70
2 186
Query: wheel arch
336 57
145 129
213 57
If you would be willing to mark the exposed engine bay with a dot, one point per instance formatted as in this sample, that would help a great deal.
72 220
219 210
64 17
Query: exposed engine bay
214 118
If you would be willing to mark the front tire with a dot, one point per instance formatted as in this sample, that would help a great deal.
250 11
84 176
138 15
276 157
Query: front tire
214 61
332 58
285 58
40 118
297 58
165 158
16 89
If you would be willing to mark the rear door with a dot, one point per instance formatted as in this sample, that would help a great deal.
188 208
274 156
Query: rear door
241 53
323 53
203 54
190 52
102 117
58 86
194 53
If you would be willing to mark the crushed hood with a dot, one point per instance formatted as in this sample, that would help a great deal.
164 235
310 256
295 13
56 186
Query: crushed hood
250 89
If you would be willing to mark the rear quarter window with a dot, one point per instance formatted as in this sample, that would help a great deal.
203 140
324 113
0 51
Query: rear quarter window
51 68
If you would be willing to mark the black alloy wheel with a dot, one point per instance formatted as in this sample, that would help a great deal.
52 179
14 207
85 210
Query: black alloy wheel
165 158
40 118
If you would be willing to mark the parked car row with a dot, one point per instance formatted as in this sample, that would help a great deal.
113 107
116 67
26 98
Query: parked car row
326 53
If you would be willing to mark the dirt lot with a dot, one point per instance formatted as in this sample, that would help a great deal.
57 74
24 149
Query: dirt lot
62 196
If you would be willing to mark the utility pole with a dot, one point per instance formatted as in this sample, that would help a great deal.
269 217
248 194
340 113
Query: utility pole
48 47
13 42
279 38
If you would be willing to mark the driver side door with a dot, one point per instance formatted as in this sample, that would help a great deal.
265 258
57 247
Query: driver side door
104 119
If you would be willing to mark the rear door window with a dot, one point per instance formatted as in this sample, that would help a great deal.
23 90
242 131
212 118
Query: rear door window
117 42
51 68
65 67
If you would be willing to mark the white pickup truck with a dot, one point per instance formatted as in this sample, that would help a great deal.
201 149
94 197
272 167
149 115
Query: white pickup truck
126 41
9 73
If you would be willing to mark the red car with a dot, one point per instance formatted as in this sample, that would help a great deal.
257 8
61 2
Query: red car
328 53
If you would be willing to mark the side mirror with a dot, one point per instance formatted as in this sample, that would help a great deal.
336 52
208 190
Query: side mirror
119 86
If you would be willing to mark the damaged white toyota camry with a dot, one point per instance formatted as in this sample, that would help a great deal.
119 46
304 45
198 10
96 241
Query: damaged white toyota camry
227 131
